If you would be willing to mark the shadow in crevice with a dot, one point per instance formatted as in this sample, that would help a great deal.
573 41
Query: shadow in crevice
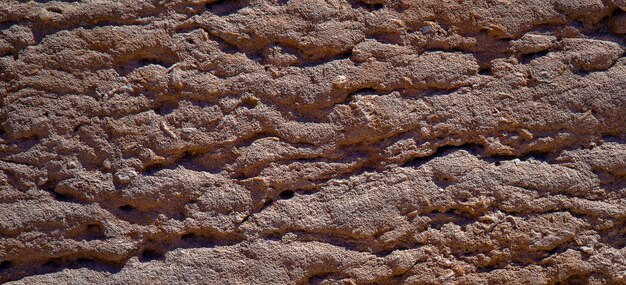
528 58
226 7
151 254
125 68
10 271
51 188
5 266
439 219
360 4
538 156
474 149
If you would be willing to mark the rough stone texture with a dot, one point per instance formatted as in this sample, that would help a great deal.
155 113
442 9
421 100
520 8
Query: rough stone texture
313 142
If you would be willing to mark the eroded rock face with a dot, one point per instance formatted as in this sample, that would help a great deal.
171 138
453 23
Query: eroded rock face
313 142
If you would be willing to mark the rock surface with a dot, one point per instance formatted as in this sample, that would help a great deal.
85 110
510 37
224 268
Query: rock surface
313 142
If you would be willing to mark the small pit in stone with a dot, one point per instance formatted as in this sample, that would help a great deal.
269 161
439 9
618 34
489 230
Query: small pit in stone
366 6
51 188
153 169
93 232
150 255
527 58
5 265
55 10
287 194
77 128
484 70
52 263
224 7
188 236
127 208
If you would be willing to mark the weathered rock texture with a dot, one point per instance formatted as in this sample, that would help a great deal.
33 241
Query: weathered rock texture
313 142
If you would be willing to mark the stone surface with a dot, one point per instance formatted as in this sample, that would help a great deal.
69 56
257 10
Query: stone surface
312 142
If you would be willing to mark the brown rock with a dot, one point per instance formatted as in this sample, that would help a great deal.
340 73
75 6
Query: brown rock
312 142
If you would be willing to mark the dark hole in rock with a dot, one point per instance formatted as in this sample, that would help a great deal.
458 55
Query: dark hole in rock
60 197
54 262
369 7
5 265
55 10
188 236
77 128
127 208
84 261
287 194
375 7
484 71
51 188
224 7
153 169
150 254
94 231
527 58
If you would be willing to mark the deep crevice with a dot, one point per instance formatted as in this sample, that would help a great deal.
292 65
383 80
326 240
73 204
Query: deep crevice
359 4
538 156
528 58
287 194
442 151
57 264
151 254
94 232
127 208
50 187
5 265
126 68
225 7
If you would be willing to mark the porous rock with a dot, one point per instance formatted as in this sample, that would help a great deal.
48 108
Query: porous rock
312 142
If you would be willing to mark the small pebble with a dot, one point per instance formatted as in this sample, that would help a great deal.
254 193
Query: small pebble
449 275
167 130
426 29
526 134
188 130
106 164
587 249
175 79
489 219
340 81
71 165
42 181
251 100
45 15
125 177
